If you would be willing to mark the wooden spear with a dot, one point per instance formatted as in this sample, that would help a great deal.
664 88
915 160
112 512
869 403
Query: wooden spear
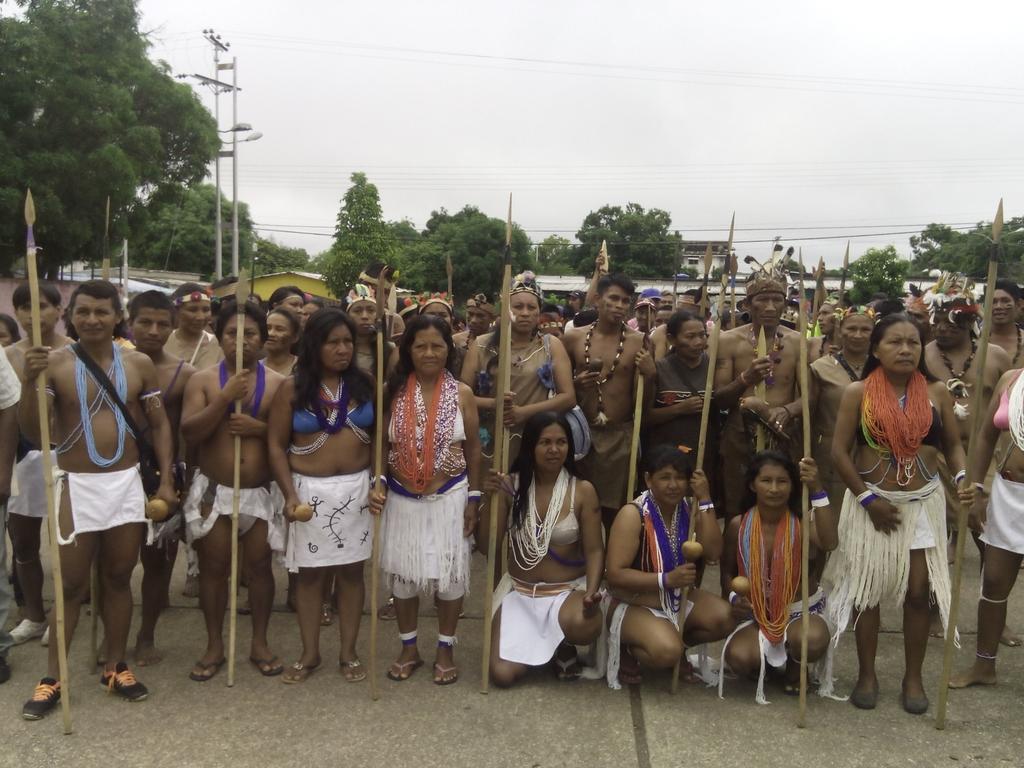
819 288
733 268
500 447
977 408
702 441
805 547
52 520
760 391
241 297
105 266
379 469
709 259
842 280
449 270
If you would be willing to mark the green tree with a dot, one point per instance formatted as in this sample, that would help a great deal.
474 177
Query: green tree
555 255
941 247
879 270
360 237
475 242
639 242
272 256
85 114
179 233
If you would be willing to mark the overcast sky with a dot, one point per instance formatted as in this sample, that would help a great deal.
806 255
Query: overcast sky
808 119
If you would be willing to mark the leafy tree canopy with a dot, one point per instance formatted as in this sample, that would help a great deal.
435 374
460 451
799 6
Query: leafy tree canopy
85 114
272 256
940 247
361 237
879 270
639 242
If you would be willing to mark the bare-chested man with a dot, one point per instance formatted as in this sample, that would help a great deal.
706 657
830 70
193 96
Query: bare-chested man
102 502
27 508
209 423
738 371
605 356
150 319
1005 331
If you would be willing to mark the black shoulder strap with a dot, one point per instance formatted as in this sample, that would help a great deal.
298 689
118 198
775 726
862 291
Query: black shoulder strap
100 377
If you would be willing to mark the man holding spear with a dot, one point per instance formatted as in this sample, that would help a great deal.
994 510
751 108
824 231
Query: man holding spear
102 502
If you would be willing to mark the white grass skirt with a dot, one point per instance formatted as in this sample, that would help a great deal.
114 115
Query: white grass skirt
422 540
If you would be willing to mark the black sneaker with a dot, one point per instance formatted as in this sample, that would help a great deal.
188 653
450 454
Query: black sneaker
123 682
45 698
5 670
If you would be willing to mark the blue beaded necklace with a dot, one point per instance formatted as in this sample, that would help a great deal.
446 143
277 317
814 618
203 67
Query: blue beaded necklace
120 381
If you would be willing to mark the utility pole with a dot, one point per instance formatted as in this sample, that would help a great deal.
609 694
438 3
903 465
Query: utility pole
218 47
234 166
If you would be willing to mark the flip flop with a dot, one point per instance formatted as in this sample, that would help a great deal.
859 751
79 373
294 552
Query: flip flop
412 666
298 673
352 671
208 670
440 672
271 667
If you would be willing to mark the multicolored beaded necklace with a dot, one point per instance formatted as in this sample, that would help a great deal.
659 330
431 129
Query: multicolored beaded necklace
664 546
774 581
775 354
423 439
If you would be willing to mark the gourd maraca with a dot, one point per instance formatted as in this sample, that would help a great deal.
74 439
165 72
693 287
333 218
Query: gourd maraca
302 513
157 510
692 550
741 586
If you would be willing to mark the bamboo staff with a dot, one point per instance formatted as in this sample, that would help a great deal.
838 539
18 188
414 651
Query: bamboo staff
709 259
734 265
819 288
760 391
95 587
805 539
500 446
692 549
634 442
241 297
976 409
378 463
52 521
842 281
449 270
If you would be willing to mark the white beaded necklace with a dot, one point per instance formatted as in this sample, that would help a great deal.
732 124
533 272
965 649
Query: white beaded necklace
1016 415
530 540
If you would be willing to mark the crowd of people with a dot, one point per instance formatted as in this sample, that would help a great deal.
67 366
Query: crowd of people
604 578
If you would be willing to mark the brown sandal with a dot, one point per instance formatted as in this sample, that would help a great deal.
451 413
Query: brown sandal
352 671
298 672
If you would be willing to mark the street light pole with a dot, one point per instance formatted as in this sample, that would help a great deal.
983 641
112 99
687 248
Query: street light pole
234 166
218 45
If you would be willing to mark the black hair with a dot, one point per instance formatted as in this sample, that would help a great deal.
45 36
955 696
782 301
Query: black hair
97 289
149 300
763 459
307 363
12 327
876 337
22 296
550 308
665 455
282 293
680 316
316 301
584 318
219 283
293 319
1010 287
186 289
889 307
227 314
404 366
526 460
619 280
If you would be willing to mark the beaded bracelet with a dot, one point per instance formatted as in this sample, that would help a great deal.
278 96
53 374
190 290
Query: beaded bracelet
733 597
959 476
704 506
474 495
866 498
979 487
820 501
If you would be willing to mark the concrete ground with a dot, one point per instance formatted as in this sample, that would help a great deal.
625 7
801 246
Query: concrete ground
539 723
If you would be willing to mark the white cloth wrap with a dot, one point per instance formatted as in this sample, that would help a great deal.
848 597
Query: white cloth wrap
30 498
103 500
615 636
340 531
870 566
775 654
1004 523
422 542
253 504
530 629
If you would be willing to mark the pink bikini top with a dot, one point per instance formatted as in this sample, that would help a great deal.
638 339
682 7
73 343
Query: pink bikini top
1002 418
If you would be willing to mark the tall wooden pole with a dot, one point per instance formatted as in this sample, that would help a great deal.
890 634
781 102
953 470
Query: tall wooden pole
760 390
709 259
52 519
449 270
702 439
500 446
977 408
805 539
241 297
842 280
383 280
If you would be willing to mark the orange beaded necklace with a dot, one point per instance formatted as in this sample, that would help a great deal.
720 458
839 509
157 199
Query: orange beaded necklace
773 584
